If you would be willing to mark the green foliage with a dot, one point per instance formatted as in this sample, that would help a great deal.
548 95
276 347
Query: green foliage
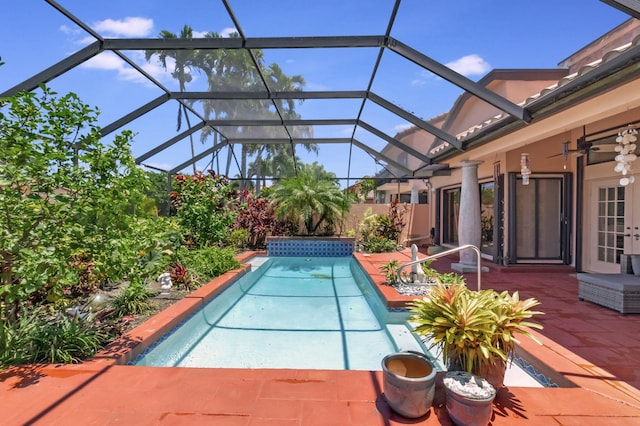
43 337
157 194
206 263
428 270
390 270
366 186
237 238
133 299
449 278
473 328
311 199
63 196
376 230
380 245
202 203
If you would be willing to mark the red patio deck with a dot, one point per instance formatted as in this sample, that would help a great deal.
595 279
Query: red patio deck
595 348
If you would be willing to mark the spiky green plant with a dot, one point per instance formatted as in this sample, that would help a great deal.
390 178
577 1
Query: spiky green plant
472 329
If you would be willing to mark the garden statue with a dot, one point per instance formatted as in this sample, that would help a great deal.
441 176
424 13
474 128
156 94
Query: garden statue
165 283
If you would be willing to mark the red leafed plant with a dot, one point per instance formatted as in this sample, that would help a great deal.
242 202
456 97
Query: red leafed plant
179 275
258 218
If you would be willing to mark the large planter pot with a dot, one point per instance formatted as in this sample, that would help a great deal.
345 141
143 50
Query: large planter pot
408 383
492 372
469 398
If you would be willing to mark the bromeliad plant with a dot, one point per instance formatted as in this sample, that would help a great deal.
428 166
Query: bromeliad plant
473 329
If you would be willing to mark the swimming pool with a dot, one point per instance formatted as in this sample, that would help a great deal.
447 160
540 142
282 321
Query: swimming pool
290 312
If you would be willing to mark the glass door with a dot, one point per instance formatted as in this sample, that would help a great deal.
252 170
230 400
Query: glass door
538 220
606 229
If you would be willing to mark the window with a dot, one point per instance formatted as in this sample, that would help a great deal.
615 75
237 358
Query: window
451 213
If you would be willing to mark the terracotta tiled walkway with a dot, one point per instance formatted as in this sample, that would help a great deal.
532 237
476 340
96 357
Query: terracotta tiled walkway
596 349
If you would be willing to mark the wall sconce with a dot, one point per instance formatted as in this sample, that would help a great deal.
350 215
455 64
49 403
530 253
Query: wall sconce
524 168
626 149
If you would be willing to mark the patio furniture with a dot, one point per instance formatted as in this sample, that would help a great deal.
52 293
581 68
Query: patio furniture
620 292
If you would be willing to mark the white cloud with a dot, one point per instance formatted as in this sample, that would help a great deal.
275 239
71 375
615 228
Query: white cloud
130 26
400 127
226 32
69 30
110 62
470 65
418 82
199 34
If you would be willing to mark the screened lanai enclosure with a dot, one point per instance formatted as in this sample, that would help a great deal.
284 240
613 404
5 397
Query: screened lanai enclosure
252 88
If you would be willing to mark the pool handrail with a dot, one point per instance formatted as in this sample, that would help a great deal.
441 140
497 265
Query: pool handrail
441 254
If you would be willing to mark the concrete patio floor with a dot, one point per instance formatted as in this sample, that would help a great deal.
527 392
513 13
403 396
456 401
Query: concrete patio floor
595 350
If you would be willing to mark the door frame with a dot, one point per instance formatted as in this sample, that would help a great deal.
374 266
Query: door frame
566 202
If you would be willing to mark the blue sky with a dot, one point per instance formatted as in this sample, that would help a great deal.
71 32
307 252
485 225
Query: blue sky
471 37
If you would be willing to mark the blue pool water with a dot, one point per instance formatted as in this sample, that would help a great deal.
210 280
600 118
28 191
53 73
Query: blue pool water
290 312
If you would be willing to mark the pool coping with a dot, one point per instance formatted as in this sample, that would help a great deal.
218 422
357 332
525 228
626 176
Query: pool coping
548 357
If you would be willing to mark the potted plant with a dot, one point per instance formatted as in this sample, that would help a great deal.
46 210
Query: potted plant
474 330
469 398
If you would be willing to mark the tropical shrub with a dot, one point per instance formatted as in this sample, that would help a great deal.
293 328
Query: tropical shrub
312 199
473 329
42 336
68 202
133 299
390 270
205 263
380 245
204 207
256 216
381 232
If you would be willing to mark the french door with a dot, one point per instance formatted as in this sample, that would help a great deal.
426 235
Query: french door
612 224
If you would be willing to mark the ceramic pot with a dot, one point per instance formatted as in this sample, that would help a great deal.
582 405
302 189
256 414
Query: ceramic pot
408 384
493 372
469 398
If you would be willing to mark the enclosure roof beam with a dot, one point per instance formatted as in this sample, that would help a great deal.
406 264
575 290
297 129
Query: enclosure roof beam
56 70
630 7
424 125
378 156
395 142
300 122
134 114
459 80
198 157
169 143
275 141
239 43
346 94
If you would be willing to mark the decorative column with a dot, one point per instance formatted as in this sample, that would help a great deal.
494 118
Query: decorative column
469 231
415 199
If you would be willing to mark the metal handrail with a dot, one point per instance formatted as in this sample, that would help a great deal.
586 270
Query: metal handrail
441 254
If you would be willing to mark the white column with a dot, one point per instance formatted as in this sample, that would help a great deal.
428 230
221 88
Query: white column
414 196
469 231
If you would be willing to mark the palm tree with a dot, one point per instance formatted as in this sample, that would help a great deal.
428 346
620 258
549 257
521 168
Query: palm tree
310 198
278 81
181 72
229 70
